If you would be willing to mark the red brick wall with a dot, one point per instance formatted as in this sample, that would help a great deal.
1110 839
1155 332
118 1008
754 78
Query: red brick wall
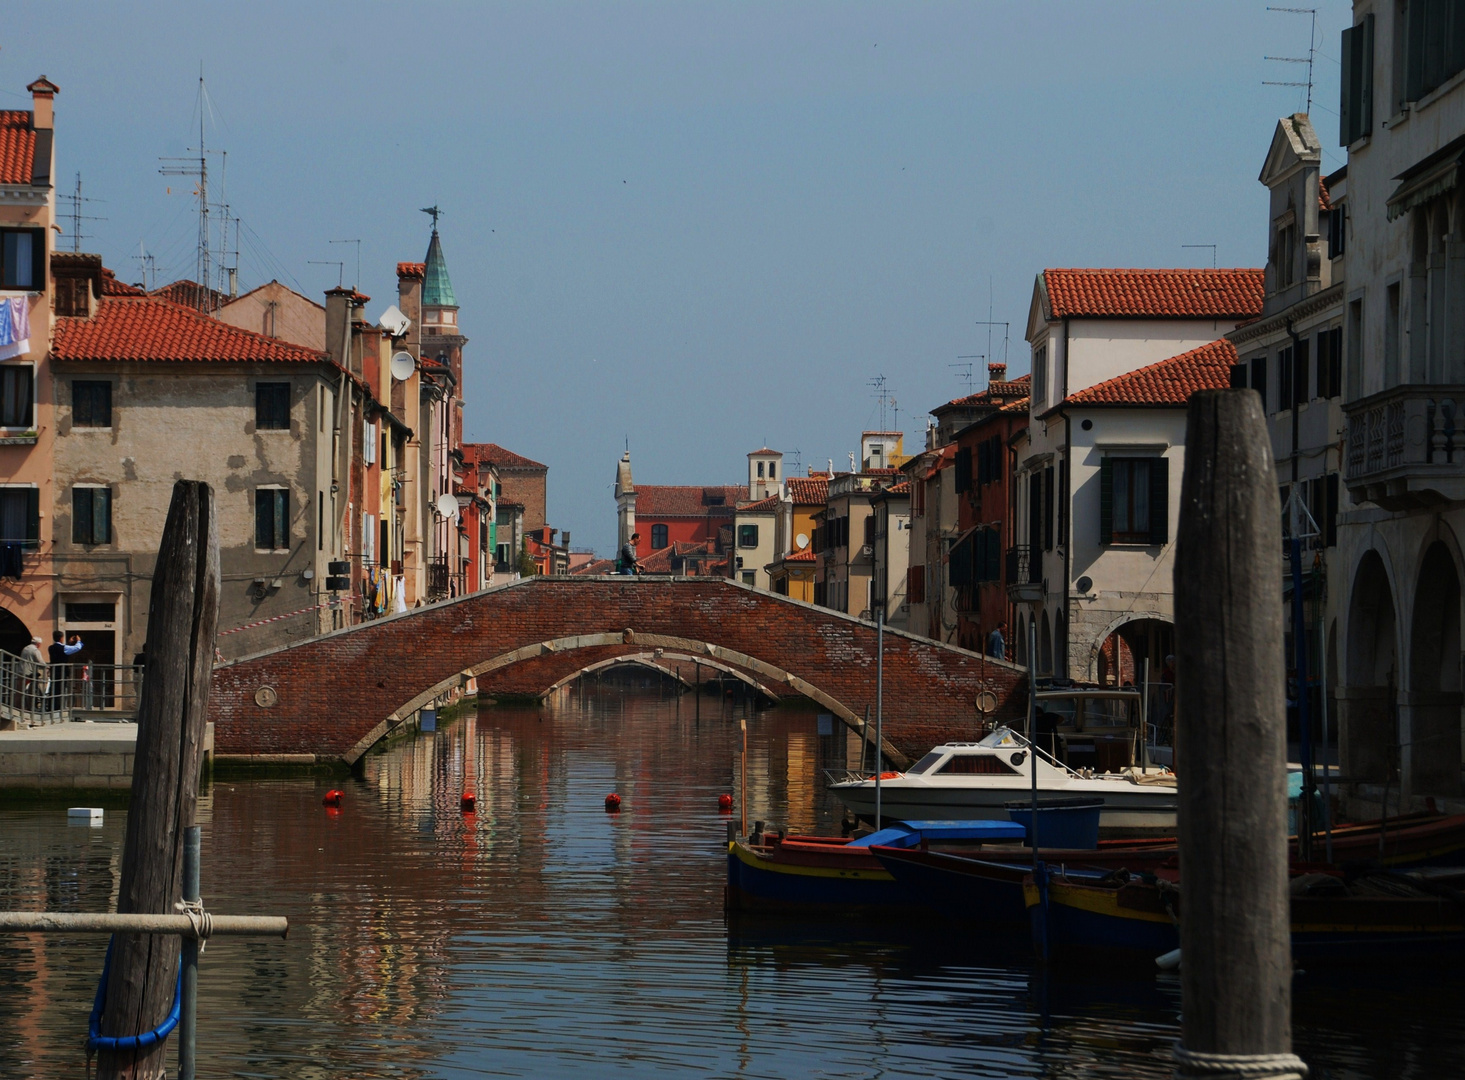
332 691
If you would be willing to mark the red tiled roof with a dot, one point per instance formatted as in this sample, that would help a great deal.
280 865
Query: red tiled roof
809 490
188 293
144 328
902 488
995 394
1170 382
673 500
1018 406
596 566
496 455
1324 203
411 270
802 555
17 147
112 287
1167 294
762 505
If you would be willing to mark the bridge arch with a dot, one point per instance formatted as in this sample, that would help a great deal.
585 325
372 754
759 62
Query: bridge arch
332 697
660 660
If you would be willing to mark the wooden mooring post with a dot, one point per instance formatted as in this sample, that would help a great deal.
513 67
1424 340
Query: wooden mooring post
1231 751
183 615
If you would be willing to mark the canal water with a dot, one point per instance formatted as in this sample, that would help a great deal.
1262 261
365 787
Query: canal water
544 937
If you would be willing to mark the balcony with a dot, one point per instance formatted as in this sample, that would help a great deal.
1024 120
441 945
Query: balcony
1406 446
1024 574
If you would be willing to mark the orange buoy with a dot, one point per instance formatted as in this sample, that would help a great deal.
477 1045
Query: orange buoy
333 797
612 803
724 803
468 803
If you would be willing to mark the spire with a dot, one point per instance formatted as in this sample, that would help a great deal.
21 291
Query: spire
437 289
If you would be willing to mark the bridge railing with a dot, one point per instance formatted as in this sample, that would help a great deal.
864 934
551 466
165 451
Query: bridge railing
35 694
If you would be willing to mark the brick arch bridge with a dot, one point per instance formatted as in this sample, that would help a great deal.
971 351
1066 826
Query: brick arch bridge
334 696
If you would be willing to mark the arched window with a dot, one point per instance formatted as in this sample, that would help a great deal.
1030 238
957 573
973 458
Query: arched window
658 537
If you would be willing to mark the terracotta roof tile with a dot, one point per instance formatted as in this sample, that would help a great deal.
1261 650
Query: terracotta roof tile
595 566
112 287
496 455
674 500
803 555
1170 382
761 506
17 147
145 328
411 270
188 293
809 490
1170 294
1018 406
995 394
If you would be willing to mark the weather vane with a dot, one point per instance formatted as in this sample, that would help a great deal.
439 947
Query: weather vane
432 212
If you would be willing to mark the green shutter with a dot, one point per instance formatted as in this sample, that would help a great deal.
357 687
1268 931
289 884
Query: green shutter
1106 501
81 515
1345 90
1159 501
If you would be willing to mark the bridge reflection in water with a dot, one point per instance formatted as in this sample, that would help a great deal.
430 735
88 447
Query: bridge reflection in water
543 937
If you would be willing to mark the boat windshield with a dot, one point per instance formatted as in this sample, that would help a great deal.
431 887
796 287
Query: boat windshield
1107 712
1003 736
924 765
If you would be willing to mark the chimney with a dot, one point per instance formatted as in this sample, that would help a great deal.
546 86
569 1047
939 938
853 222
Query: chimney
996 373
338 324
43 94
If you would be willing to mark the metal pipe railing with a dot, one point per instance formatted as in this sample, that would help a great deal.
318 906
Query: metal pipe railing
33 694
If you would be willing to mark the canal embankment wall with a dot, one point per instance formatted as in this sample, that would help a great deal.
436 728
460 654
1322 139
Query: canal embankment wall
73 756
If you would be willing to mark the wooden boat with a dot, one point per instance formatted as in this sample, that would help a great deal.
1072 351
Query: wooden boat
834 875
1378 914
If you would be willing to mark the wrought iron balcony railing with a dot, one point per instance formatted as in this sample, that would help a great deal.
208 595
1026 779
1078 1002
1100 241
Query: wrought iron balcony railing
1024 573
1406 446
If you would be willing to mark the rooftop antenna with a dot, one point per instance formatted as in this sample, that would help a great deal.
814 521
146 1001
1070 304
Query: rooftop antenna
1211 246
198 167
964 371
798 457
147 265
340 269
878 385
895 409
1311 52
989 323
432 212
357 283
77 217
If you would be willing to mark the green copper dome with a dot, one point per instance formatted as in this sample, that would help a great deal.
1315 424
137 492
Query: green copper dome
437 288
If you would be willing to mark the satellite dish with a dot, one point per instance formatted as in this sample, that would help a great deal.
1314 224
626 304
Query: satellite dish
394 322
403 366
447 506
801 541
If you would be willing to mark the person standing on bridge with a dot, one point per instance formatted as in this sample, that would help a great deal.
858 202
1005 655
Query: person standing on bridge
629 564
997 642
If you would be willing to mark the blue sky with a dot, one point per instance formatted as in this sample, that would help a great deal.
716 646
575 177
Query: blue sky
699 227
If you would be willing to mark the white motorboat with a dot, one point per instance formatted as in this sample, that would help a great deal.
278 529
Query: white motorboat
1093 736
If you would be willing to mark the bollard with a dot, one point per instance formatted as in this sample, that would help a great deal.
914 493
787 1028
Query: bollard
1236 981
188 1013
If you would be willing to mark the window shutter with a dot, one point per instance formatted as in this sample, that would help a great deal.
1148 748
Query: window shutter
1048 508
1345 89
1285 368
1335 362
1300 377
1259 379
1330 525
994 555
1106 501
963 476
1159 500
102 515
1063 501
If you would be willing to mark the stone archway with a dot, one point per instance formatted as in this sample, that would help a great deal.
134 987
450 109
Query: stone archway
14 634
667 664
1430 711
1367 726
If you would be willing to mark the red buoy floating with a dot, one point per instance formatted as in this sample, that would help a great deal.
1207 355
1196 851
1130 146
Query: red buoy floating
468 804
724 803
333 797
612 803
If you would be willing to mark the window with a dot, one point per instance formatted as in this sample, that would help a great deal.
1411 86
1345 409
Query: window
320 527
1355 109
659 538
1354 389
760 470
1391 336
963 465
272 518
750 577
1048 508
1134 496
1434 45
773 470
1337 231
976 764
1330 363
915 584
870 524
91 403
23 259
272 406
1292 364
1259 379
1284 254
1040 374
91 612
17 396
1063 502
91 515
20 516
1284 379
368 538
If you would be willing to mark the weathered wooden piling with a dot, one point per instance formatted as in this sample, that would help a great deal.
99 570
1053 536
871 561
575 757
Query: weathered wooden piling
1236 973
182 620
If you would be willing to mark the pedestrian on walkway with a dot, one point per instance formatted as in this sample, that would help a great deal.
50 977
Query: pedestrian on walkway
33 670
997 642
59 668
627 563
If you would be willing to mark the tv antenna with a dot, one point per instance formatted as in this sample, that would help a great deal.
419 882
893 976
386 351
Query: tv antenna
147 266
340 269
798 456
357 283
964 371
878 385
198 167
990 322
77 217
1211 246
1308 59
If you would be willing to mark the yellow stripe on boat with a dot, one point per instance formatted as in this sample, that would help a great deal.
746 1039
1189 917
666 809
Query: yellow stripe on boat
759 862
1099 901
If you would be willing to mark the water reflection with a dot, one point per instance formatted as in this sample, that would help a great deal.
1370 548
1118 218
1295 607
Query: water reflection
544 937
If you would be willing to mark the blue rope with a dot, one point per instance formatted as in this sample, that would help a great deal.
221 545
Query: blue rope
113 1044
